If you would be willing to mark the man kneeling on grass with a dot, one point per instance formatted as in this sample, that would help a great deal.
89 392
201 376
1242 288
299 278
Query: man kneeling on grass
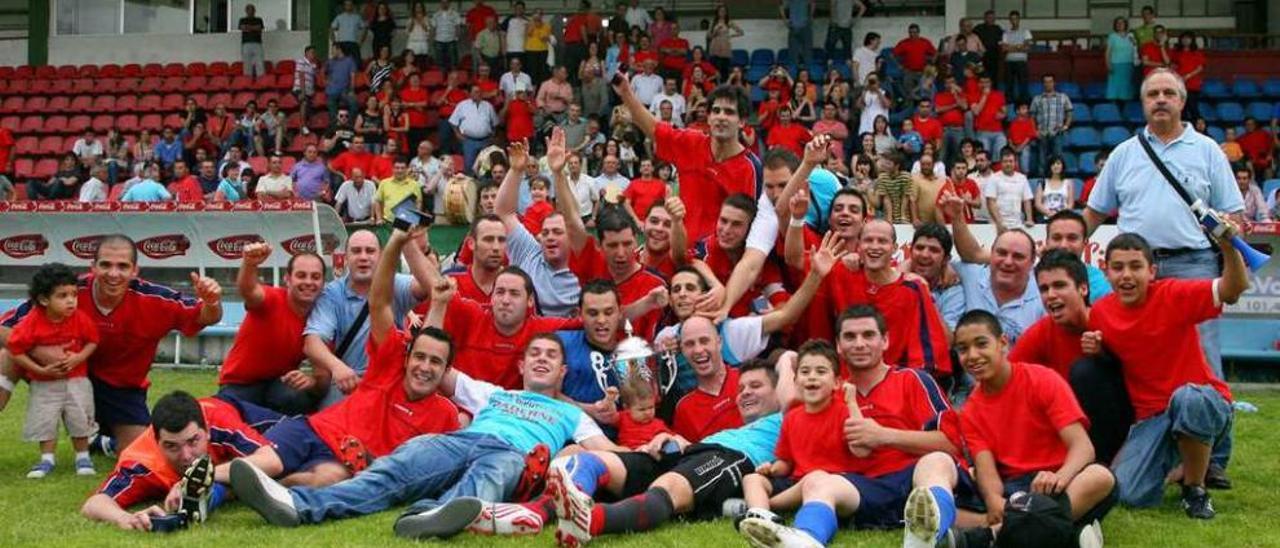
177 459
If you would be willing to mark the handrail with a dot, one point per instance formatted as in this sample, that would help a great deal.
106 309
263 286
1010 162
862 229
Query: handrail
1208 39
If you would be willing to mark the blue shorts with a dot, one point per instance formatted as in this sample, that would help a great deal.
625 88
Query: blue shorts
114 406
254 415
298 445
884 497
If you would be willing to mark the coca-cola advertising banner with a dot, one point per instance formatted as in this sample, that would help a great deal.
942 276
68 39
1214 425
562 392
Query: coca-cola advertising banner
168 235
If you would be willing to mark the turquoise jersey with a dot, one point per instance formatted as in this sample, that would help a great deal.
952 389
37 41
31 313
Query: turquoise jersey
524 419
756 440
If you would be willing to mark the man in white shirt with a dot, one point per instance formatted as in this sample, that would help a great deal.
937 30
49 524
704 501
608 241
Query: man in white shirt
1008 195
445 23
95 190
981 174
88 149
638 16
1016 43
609 185
584 189
511 80
672 94
356 195
276 184
646 85
473 122
424 167
516 26
864 59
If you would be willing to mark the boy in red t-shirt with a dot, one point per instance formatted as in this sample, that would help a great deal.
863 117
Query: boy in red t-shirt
1025 430
1022 131
788 134
767 112
59 390
643 192
1182 409
961 185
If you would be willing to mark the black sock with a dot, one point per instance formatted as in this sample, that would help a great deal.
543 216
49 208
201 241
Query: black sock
642 512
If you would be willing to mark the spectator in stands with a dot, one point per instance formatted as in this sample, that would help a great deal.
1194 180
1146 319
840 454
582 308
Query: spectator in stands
380 72
1259 146
914 53
721 34
88 149
1190 62
989 110
304 83
1008 195
245 131
394 190
383 27
960 184
167 150
419 39
208 177
147 190
595 96
895 195
270 129
1015 44
59 187
928 185
554 96
875 103
339 134
445 24
347 30
192 113
95 188
231 187
951 104
251 54
1119 54
1230 147
515 29
369 124
511 79
990 34
1255 206
660 28
1056 192
1155 53
199 142
234 157
275 185
833 127
340 83
488 44
354 200
1052 112
1022 137
582 28
537 45
311 176
355 156
475 20
839 41
1146 32
473 122
865 60
185 187
670 94
798 15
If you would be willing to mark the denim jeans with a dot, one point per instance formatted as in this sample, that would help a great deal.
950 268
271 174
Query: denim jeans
1024 161
1049 146
336 100
1192 266
800 44
446 55
470 149
428 469
838 35
1016 84
992 142
952 136
1150 452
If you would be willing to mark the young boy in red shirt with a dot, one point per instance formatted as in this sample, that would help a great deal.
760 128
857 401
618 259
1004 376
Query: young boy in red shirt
1182 410
1022 131
59 390
1026 431
644 191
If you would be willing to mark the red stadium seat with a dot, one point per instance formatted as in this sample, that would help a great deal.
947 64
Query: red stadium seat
433 78
194 83
258 163
242 98
104 103
24 72
44 169
79 123
173 120
235 68
22 169
46 72
318 120
12 104
288 164
173 102
293 121
103 122
127 103
60 103
80 104
81 86
11 123
37 104
241 83
4 87
301 142
200 99
19 87
110 71
216 99
66 72
284 68
175 69
197 69
106 86
37 124
131 70
265 82
127 123
69 142
284 82
26 145
153 122
153 69
266 97
149 103
219 68
150 84
171 84
218 83
87 71
288 101
6 73
318 99
128 84
43 88
50 145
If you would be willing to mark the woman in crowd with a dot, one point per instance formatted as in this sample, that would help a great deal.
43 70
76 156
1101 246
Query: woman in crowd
419 30
1119 55
720 39
1189 60
381 69
1057 192
371 123
802 109
383 27
884 139
661 28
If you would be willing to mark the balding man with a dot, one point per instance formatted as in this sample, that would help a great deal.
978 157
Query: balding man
334 339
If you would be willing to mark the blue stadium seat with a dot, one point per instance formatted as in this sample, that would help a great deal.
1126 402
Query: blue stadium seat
1260 111
820 56
762 58
1133 113
1070 163
1115 135
1215 89
1269 187
844 69
1249 339
784 56
1095 91
1035 88
1217 134
1083 137
1081 114
1077 188
1070 89
740 58
1088 164
1246 88
818 73
1271 88
1208 111
1230 111
1106 113
757 95
755 73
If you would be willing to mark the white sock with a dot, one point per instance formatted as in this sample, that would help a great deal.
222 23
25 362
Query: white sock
82 455
46 457
6 384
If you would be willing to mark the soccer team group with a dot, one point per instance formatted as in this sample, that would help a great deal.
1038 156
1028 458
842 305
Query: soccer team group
996 400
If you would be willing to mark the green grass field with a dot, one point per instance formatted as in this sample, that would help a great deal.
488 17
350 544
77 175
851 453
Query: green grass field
39 512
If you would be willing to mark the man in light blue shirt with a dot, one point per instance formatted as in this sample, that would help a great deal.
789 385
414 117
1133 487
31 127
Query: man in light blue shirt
168 149
147 190
339 305
348 29
998 280
473 121
1132 186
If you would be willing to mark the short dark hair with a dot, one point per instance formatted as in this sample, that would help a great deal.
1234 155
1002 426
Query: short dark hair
1061 259
759 364
49 278
599 286
819 347
1067 215
324 269
870 37
517 271
859 311
937 232
1131 241
614 219
117 239
546 336
702 280
743 203
1015 12
432 332
980 317
485 217
175 411
731 93
778 157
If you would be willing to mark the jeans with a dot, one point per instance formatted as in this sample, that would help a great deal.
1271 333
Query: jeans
350 49
251 54
1016 84
1150 452
842 36
1099 387
334 100
1024 160
274 395
470 149
446 55
1048 147
44 190
428 469
952 136
1191 266
800 43
992 142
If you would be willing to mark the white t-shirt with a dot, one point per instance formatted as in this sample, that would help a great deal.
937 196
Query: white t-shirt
517 27
273 183
638 17
871 108
866 60
763 235
93 190
1016 38
677 107
1009 191
939 169
87 149
359 201
446 24
508 82
603 181
646 87
584 191
744 337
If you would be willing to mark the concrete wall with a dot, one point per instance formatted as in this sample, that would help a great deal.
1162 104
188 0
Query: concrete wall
13 52
165 48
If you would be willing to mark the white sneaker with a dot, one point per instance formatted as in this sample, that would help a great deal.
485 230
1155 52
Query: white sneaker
573 507
84 467
766 533
1091 535
268 498
922 518
507 519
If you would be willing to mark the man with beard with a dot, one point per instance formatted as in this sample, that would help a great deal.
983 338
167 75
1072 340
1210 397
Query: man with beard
930 257
262 365
337 331
395 401
588 352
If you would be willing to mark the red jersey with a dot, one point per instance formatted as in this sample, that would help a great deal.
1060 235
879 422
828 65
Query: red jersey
914 53
634 434
589 264
767 114
1257 145
187 190
674 62
1152 52
967 190
790 136
36 329
519 120
815 440
699 414
660 263
950 118
476 17
1049 344
452 98
1188 61
784 90
483 353
417 115
643 193
535 214
988 119
917 336
930 129
1021 131
143 473
348 161
379 412
269 342
380 167
708 70
581 26
1157 341
469 289
768 284
905 399
705 182
1020 424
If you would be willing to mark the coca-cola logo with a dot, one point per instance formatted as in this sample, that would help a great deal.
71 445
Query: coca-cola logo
22 246
232 247
164 246
306 243
105 206
84 247
75 207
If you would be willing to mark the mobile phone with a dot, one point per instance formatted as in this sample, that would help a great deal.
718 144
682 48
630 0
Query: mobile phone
408 216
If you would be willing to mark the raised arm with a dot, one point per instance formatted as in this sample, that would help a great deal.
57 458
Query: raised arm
967 246
640 115
508 197
793 243
824 259
1235 276
210 295
382 288
679 236
247 279
566 203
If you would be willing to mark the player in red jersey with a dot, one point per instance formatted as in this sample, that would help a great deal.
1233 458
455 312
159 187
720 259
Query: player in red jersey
262 365
1025 430
132 316
489 255
711 167
395 401
710 407
723 250
1182 409
153 467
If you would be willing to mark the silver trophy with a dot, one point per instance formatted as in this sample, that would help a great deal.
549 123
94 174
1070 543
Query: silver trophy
632 355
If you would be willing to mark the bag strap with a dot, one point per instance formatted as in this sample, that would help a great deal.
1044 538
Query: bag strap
1173 181
351 333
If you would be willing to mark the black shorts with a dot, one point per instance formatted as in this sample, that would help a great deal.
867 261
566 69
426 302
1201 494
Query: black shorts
119 406
1099 511
714 472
